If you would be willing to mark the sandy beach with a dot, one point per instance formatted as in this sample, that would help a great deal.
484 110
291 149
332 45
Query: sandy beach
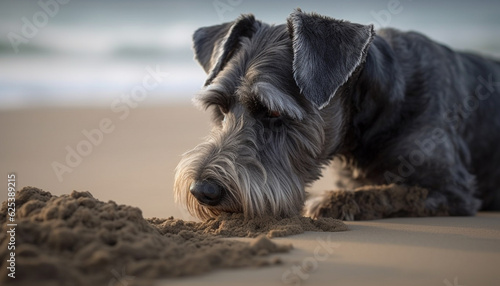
132 160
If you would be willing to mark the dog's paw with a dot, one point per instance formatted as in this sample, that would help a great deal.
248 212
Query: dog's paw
336 204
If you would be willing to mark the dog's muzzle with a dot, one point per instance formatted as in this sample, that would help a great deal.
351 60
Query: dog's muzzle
207 192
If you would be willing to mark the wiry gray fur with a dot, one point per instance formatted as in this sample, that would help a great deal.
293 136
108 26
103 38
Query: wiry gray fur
288 99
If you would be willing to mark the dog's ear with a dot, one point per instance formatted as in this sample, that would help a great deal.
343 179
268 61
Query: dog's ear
326 53
213 46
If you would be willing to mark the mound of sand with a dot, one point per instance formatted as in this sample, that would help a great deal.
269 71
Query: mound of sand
235 225
78 240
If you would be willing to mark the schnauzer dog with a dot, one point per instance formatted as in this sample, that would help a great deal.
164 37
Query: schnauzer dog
411 126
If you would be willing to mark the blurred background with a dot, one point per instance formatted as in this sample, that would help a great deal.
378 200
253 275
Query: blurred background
65 65
88 52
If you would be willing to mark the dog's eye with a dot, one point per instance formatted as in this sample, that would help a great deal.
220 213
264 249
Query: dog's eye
223 109
273 114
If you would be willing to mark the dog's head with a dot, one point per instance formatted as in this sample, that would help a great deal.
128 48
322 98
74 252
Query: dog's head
269 89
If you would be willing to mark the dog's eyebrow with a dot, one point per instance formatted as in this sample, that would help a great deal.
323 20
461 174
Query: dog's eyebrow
274 99
214 94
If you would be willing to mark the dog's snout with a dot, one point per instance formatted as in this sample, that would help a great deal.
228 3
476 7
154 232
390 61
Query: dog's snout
207 192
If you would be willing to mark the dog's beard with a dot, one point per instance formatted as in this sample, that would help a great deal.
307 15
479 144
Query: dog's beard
186 173
252 187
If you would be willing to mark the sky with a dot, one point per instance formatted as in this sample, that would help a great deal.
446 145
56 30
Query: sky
88 53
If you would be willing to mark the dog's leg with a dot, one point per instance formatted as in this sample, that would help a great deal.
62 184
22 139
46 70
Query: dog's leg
372 202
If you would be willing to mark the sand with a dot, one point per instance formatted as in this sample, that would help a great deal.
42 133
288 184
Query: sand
135 164
235 225
79 240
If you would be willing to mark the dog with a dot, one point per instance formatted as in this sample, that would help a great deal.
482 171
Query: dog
411 126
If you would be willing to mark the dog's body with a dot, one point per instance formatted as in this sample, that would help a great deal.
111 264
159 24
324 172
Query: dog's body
396 108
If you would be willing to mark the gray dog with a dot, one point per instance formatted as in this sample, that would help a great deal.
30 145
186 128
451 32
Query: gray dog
412 125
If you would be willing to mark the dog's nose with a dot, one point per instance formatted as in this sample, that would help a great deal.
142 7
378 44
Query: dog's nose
207 192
